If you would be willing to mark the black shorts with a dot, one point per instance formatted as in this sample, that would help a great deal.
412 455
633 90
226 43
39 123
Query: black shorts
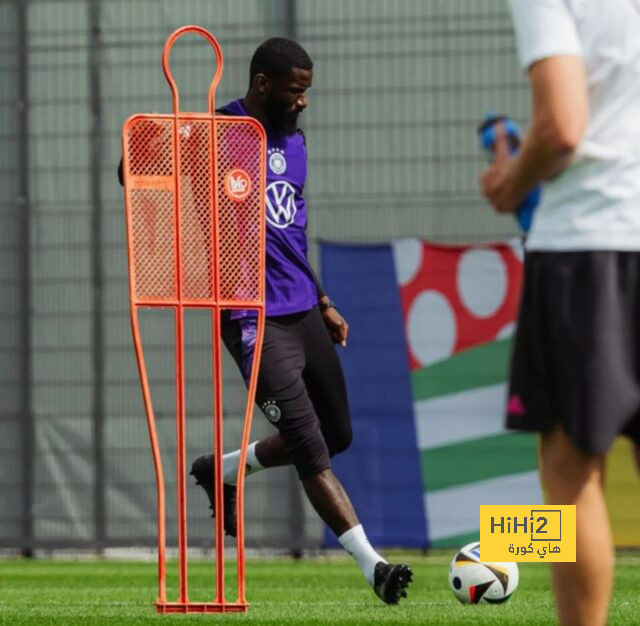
576 358
301 387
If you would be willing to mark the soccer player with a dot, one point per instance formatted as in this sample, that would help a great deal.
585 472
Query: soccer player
301 388
575 374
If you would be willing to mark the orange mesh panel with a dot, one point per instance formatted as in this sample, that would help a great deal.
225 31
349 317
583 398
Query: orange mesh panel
148 144
240 151
154 244
150 181
196 218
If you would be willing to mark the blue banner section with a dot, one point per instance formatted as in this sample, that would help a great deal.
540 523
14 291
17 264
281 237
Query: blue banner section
381 469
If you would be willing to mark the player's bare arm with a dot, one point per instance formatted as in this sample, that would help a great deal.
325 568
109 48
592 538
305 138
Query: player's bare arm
556 131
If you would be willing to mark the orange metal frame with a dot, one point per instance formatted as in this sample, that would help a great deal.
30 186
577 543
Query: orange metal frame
193 245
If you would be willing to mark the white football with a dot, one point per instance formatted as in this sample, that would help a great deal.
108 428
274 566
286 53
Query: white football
475 582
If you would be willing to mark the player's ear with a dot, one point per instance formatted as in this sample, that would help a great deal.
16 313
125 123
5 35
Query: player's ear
261 84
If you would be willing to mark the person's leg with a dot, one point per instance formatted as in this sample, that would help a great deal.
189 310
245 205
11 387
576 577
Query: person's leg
283 396
331 502
327 391
324 379
285 400
571 476
329 499
576 361
239 336
326 387
271 451
321 373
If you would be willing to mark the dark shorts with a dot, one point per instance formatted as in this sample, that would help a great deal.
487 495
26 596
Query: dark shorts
301 387
576 358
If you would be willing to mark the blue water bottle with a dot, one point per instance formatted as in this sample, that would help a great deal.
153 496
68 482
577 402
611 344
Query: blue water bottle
487 135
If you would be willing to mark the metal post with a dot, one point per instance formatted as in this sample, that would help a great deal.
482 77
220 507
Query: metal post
97 273
290 17
24 207
296 507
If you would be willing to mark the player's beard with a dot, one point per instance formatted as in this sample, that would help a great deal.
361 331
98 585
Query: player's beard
281 121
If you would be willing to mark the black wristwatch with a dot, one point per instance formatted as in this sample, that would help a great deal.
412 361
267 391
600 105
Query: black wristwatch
326 305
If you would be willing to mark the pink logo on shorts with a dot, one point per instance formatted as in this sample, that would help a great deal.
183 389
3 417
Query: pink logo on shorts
515 406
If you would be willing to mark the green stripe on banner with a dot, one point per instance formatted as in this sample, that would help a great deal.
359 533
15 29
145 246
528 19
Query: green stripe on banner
456 541
478 459
476 367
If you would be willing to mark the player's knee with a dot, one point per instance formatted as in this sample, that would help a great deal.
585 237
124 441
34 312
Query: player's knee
564 469
340 439
310 454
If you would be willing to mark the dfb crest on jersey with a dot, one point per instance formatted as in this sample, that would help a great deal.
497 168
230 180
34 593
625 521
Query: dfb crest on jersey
277 162
281 204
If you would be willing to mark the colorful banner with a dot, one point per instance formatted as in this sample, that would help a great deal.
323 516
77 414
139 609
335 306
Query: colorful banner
426 368
381 470
427 362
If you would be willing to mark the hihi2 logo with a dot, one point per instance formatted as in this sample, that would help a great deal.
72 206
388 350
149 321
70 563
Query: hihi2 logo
528 533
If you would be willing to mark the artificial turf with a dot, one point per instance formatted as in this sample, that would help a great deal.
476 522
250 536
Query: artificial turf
281 591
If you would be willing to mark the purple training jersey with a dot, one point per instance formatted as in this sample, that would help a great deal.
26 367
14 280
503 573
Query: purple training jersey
290 285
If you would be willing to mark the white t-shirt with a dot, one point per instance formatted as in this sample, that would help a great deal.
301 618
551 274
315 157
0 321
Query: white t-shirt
595 203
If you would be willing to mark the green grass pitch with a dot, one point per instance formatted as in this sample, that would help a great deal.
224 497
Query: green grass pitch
281 591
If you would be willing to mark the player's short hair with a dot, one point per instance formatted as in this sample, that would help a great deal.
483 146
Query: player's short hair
277 56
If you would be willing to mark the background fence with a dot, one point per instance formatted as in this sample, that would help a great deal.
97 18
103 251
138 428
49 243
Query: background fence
399 88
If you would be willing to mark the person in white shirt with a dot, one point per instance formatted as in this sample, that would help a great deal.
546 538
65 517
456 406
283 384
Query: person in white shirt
575 374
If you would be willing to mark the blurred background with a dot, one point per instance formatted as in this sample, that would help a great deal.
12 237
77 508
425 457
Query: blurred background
399 88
